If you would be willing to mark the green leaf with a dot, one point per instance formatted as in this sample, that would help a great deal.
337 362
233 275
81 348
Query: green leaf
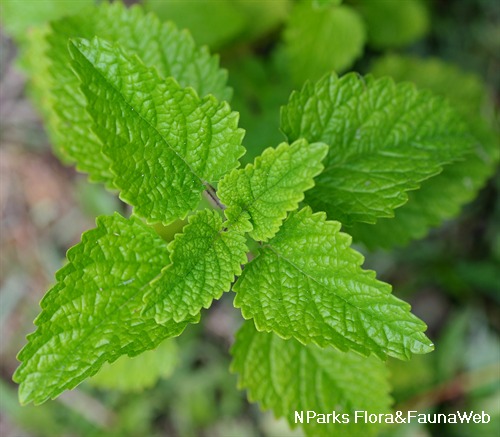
463 89
175 143
261 18
170 51
442 196
161 45
222 22
272 186
320 40
93 313
205 258
19 18
135 374
392 24
439 198
384 139
211 22
307 283
286 376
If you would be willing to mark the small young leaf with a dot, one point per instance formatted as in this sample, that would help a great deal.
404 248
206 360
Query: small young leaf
93 313
174 142
138 373
205 258
272 186
286 376
307 283
384 139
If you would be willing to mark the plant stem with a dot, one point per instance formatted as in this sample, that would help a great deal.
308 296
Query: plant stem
212 194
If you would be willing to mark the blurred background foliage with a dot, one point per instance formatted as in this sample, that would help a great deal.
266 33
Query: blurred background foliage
269 48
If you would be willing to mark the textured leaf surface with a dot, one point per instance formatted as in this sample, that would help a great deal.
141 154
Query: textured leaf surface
161 45
135 374
165 144
307 283
205 258
272 186
171 52
318 40
384 140
286 376
442 196
93 313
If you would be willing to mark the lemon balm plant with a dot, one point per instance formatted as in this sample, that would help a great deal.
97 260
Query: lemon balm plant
136 105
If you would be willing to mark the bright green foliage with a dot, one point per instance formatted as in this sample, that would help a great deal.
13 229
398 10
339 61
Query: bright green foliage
205 258
19 17
384 140
320 40
272 186
171 52
216 23
394 23
286 376
307 283
138 373
136 105
93 313
176 143
440 197
211 22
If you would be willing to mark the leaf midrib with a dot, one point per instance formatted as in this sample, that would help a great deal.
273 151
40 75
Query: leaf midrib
304 273
131 109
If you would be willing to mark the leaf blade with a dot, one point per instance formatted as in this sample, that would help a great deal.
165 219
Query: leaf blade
286 376
127 374
321 39
384 139
273 185
442 196
158 44
205 259
307 283
92 314
175 143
